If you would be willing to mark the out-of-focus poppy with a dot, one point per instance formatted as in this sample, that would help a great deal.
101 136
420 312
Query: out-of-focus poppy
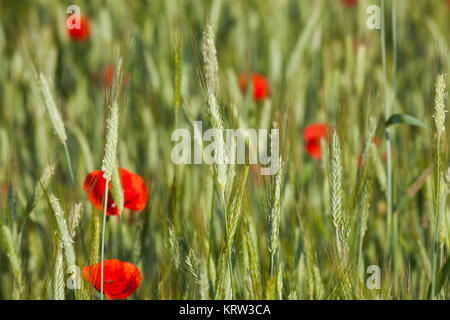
120 279
259 84
255 171
3 191
349 3
134 191
377 142
77 32
108 76
312 135
357 43
4 188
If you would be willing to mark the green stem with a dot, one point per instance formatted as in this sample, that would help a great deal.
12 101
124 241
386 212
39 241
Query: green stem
228 243
211 223
121 248
394 248
394 49
360 266
103 237
272 264
388 139
66 151
437 226
394 70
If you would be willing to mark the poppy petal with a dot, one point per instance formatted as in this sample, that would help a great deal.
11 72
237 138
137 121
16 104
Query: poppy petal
314 131
120 279
82 32
135 191
313 148
259 84
94 185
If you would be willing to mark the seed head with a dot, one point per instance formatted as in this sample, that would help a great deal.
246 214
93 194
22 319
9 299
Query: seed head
439 106
112 134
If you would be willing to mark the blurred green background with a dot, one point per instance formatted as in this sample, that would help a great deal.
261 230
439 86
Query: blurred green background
322 64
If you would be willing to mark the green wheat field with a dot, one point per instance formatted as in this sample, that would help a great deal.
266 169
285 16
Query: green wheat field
89 100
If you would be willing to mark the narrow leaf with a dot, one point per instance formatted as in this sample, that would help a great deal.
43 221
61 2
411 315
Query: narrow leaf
440 279
406 119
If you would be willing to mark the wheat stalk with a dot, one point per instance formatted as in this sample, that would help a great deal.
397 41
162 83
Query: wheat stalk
52 110
95 238
37 194
203 280
38 191
109 164
113 129
387 134
439 122
364 209
9 245
225 288
439 106
210 59
224 175
340 221
117 191
58 275
74 219
274 217
63 232
212 87
55 118
252 257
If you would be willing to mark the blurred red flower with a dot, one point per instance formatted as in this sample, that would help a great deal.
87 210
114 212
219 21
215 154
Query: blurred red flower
312 135
120 279
357 43
377 142
3 191
349 3
108 76
134 191
77 34
259 83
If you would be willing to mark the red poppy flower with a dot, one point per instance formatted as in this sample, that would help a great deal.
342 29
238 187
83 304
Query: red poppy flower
259 83
120 279
134 191
75 33
312 135
349 3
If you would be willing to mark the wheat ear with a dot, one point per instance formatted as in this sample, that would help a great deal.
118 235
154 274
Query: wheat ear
55 118
439 121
